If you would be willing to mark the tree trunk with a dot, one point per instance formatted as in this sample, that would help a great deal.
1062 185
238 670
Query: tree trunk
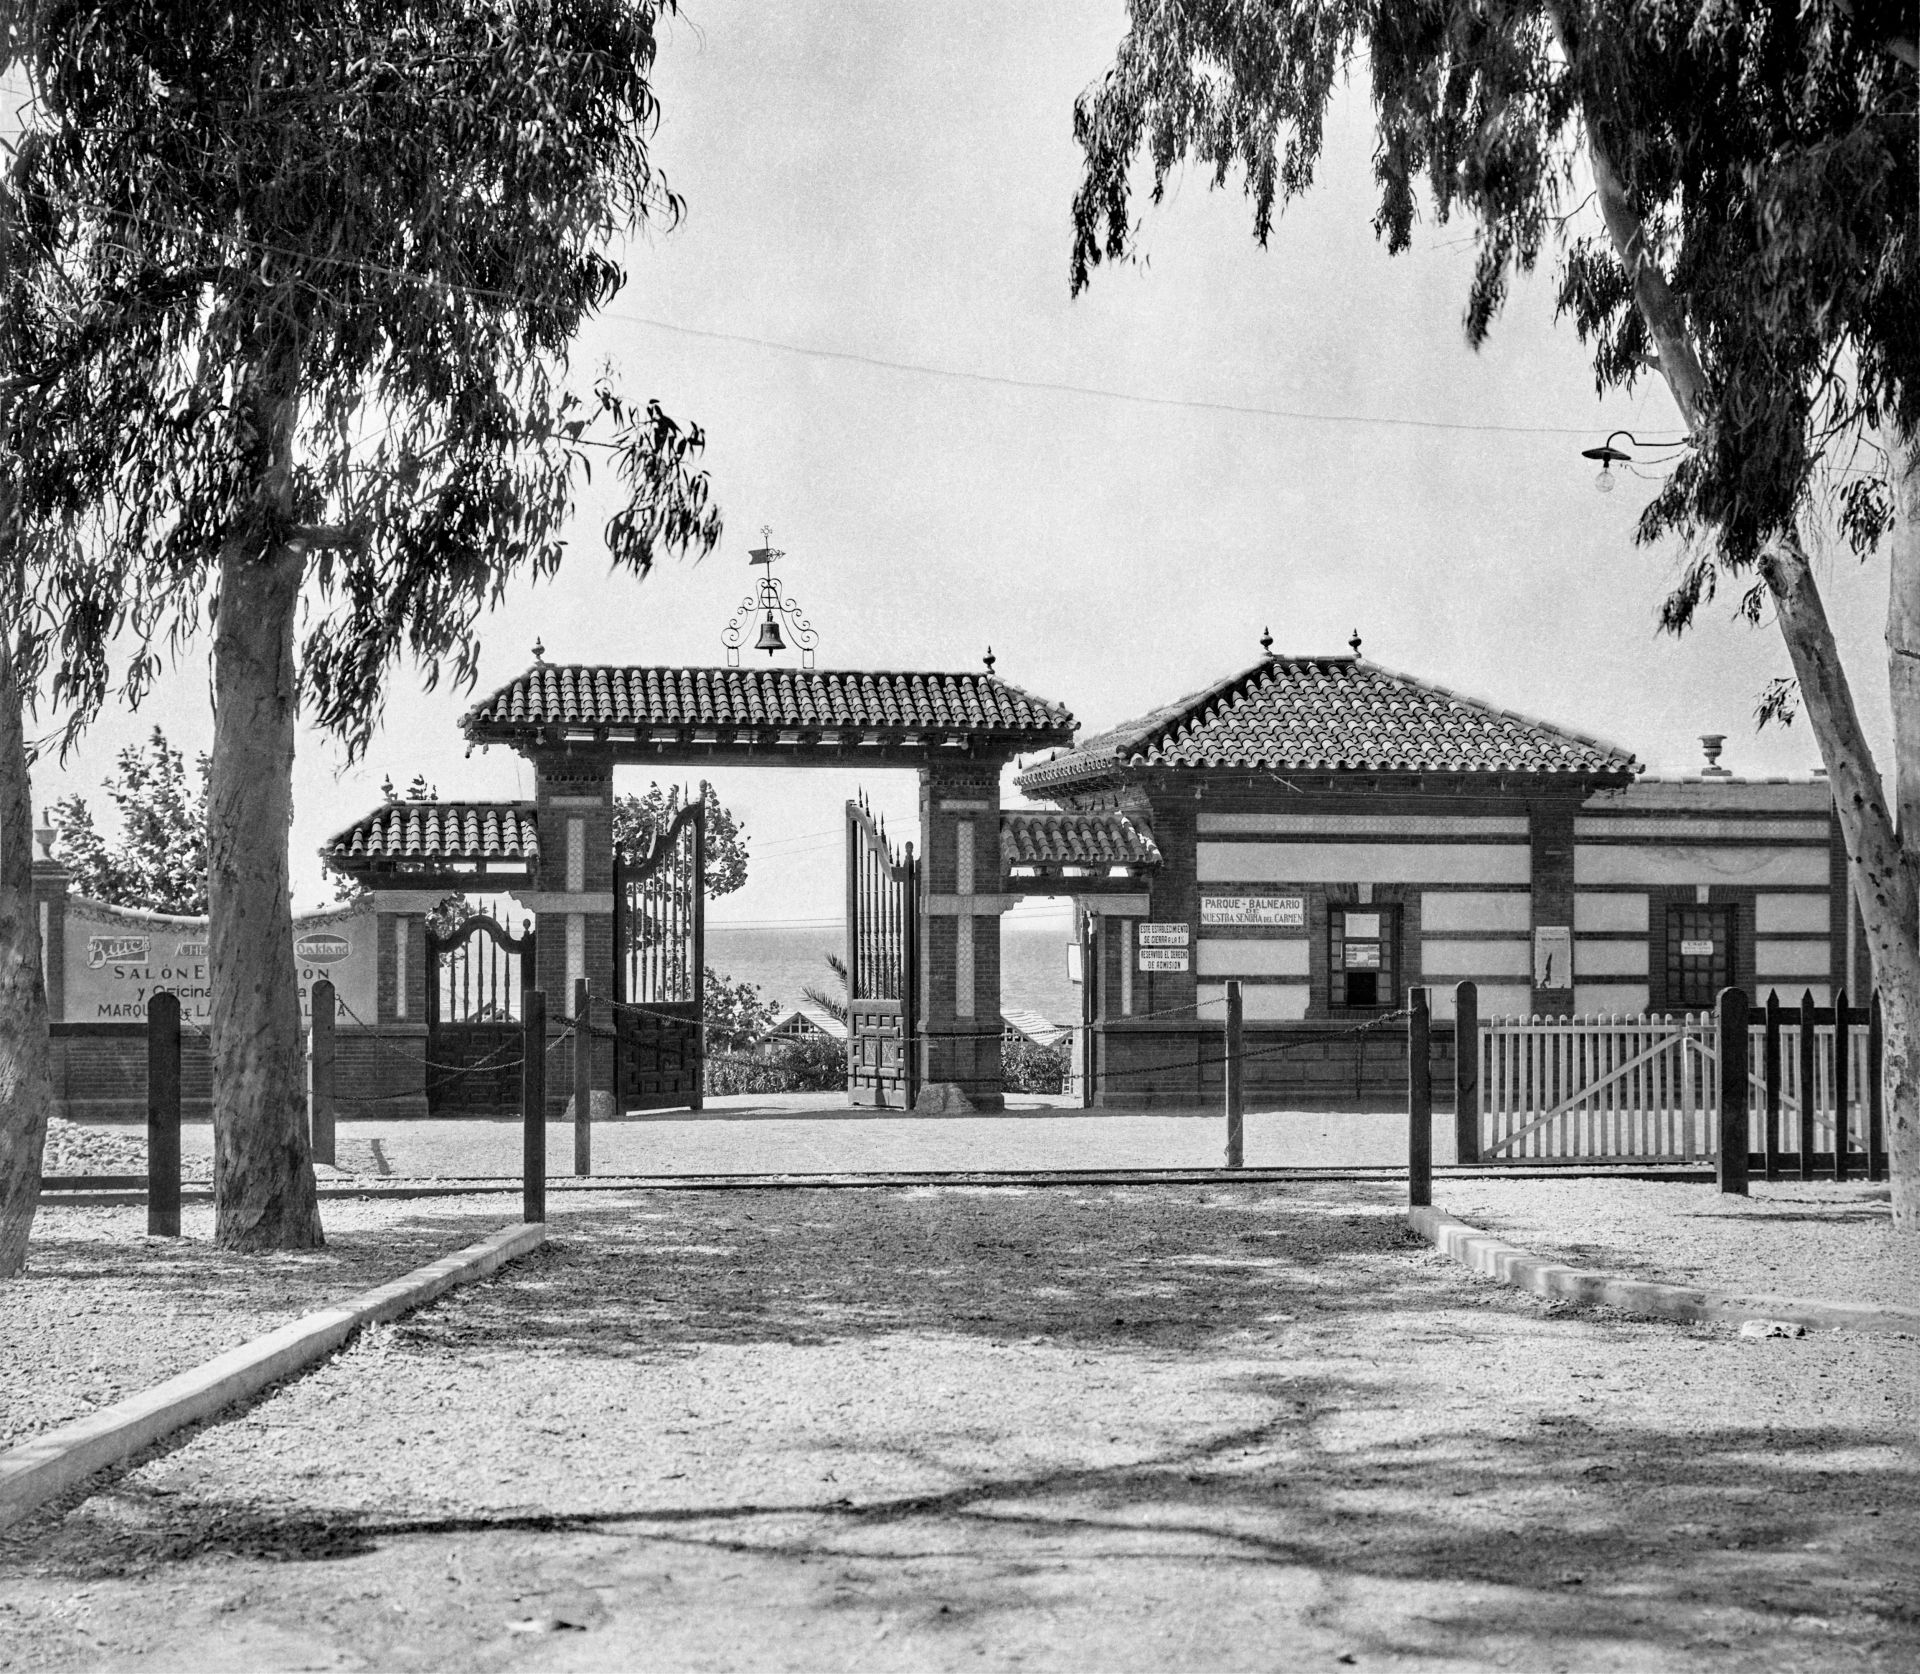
1882 881
26 1085
263 1185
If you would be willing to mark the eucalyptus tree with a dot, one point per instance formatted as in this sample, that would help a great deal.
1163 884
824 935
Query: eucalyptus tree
1734 195
322 262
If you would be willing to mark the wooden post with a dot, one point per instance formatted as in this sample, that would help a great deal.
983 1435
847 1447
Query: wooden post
533 1108
1235 1078
1807 1062
1770 1060
1730 1167
697 985
1840 1087
1466 1072
321 1042
163 1115
1876 1107
1419 1103
582 1076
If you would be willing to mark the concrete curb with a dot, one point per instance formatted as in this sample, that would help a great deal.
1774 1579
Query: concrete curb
50 1464
1520 1268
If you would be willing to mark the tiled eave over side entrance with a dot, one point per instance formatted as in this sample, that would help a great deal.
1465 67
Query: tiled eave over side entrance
768 716
434 845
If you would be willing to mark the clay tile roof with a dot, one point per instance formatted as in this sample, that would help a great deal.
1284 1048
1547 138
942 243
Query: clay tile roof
440 833
1046 838
550 695
1342 712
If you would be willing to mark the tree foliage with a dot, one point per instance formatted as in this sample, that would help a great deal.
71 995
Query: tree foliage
641 821
159 859
306 274
1765 151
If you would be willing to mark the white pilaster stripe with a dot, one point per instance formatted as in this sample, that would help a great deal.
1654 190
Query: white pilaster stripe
1610 999
1682 863
1594 959
1792 959
1681 829
576 856
1473 909
1260 1002
1126 967
963 966
576 955
1790 914
401 936
1248 956
1364 825
1304 863
963 857
1475 959
1609 912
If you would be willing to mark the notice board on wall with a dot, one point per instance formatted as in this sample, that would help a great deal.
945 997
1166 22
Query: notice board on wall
117 959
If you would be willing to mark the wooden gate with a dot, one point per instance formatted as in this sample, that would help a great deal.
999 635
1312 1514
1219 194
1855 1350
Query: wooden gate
883 966
476 974
1561 1089
660 948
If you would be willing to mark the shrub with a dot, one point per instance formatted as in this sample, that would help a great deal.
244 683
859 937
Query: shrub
1033 1068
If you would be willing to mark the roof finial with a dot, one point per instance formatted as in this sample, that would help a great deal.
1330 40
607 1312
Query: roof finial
1355 642
1266 641
539 651
988 659
386 788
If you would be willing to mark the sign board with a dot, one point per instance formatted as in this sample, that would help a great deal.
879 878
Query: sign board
1363 956
1073 961
1696 950
1285 912
1552 956
1165 935
1163 959
118 959
1363 927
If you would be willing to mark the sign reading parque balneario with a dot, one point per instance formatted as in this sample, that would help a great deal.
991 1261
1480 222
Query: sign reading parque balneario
118 959
1287 912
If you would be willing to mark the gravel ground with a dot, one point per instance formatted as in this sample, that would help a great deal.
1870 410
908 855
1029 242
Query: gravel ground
1153 1428
1826 1241
104 1312
816 1133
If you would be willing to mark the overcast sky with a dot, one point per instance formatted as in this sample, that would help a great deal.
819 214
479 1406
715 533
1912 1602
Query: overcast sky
1230 439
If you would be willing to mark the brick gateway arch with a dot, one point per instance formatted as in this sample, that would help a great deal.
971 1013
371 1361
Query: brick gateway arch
576 724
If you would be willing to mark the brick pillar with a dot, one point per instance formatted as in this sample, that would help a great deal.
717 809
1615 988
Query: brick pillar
573 901
1550 826
961 903
381 1069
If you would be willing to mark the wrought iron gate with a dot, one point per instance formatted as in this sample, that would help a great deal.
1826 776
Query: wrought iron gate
476 974
660 957
883 966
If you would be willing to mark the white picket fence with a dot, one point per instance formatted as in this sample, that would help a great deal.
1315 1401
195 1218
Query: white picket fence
1567 1088
1647 1089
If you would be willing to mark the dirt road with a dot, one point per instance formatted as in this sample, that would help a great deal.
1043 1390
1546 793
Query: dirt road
1102 1429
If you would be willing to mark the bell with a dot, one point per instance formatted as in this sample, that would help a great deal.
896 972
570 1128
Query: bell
770 640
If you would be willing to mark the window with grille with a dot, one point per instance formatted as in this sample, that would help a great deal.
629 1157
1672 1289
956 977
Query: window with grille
1362 962
1699 956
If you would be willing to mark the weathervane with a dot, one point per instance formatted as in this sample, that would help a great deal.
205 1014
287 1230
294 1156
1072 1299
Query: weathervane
772 607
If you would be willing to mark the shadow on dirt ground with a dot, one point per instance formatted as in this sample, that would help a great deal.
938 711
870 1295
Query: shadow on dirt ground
1134 1427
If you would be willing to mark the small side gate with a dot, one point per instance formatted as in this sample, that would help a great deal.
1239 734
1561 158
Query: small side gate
476 974
1647 1089
883 966
660 959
